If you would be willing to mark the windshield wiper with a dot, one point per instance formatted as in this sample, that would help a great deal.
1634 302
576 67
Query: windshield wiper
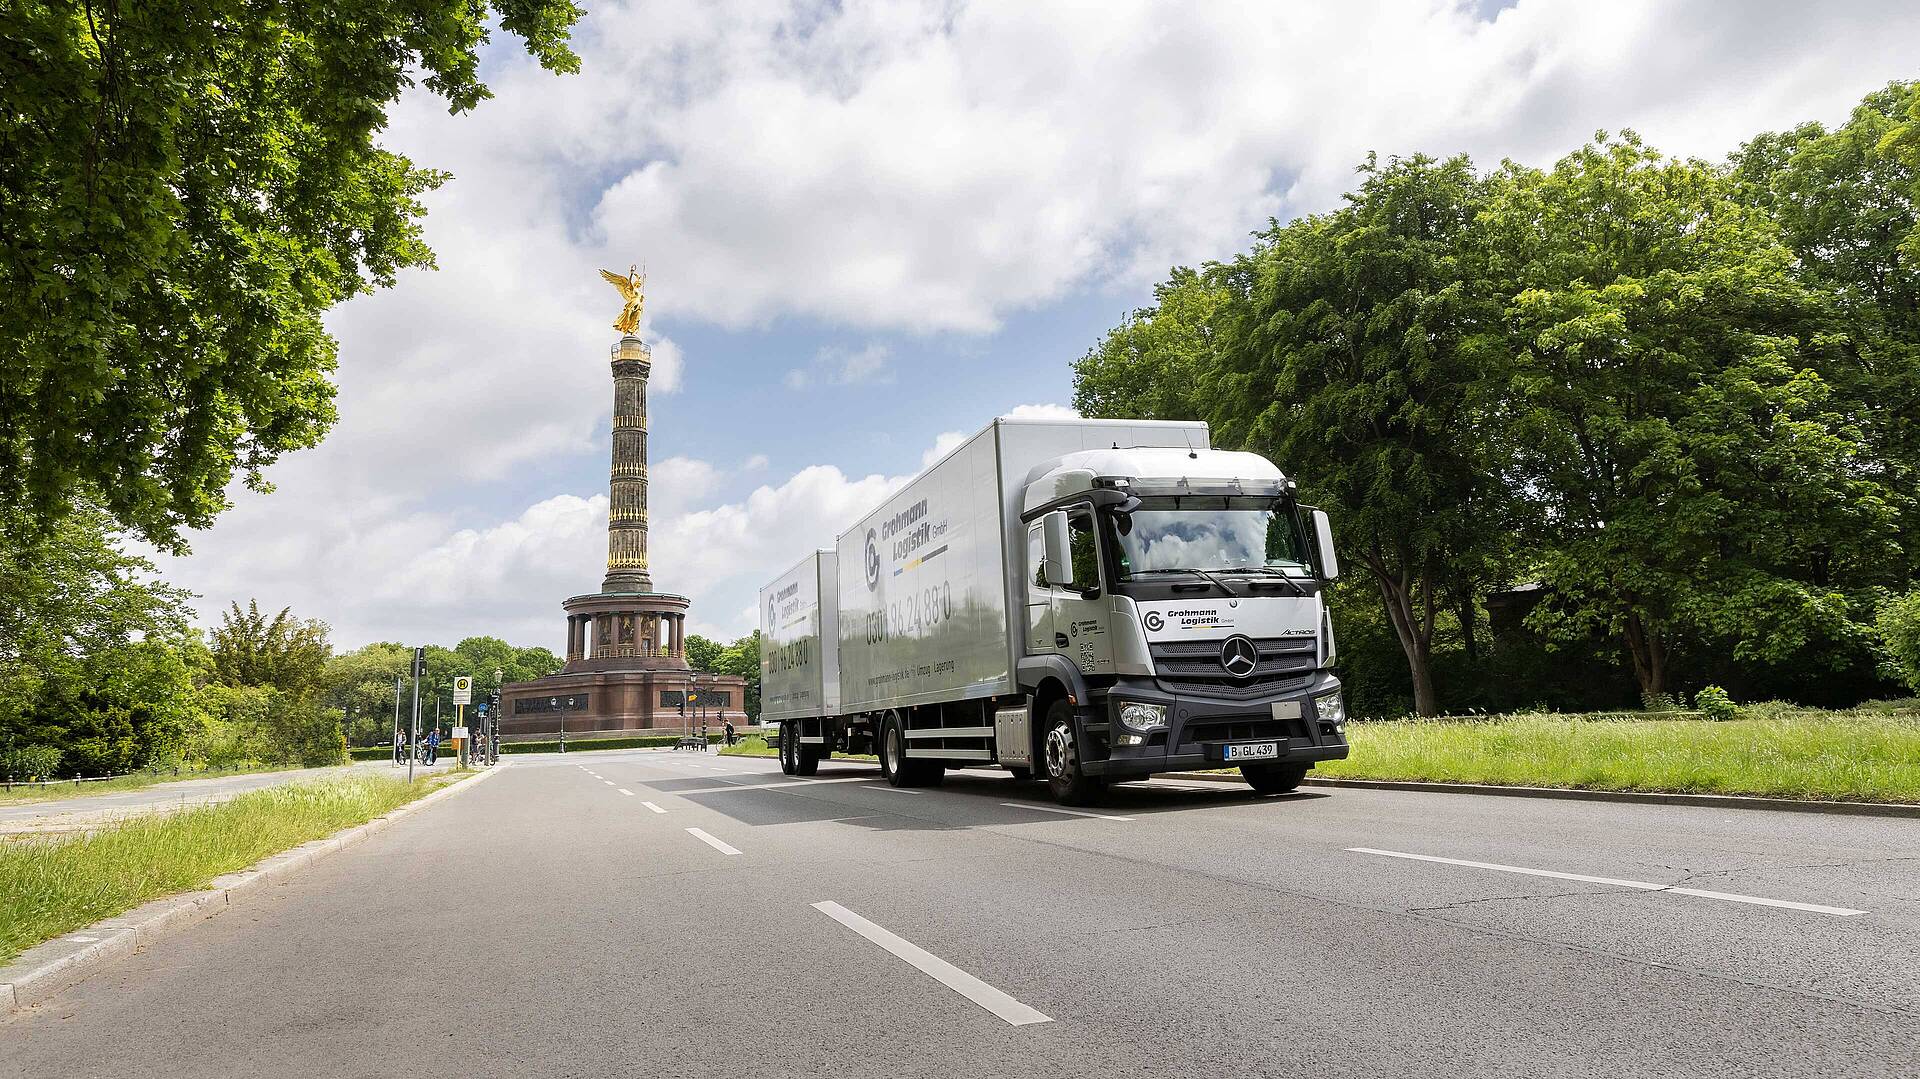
1266 572
1208 574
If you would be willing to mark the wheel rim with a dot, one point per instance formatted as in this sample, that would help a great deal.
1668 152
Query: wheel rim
893 749
1059 751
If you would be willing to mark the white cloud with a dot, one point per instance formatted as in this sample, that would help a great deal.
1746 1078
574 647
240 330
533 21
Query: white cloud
885 166
944 443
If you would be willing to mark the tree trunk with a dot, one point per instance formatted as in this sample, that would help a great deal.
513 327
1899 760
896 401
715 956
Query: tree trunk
1415 638
1467 615
1649 653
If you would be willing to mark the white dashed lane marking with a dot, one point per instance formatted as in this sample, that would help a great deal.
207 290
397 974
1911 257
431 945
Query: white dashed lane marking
712 842
937 968
1637 885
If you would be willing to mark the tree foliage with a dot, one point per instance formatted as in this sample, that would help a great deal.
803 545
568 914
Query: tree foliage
1354 361
1668 408
1670 415
184 190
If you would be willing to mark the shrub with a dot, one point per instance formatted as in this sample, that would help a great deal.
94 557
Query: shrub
30 763
1716 704
1899 625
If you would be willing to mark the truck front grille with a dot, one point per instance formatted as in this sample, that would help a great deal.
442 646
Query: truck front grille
1194 667
1241 728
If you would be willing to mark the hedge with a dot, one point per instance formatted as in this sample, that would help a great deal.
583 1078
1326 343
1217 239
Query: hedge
574 745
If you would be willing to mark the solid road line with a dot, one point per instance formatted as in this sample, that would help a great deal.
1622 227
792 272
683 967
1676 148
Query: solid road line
1068 812
884 787
626 792
937 968
711 842
653 807
1638 885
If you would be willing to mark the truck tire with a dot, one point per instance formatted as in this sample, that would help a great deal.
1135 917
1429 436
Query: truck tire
1274 778
797 759
789 750
897 767
1070 785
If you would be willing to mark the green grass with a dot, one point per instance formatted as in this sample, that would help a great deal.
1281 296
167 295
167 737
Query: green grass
135 781
1867 754
54 885
755 745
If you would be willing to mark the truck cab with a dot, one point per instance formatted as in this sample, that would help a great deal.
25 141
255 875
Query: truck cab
1176 619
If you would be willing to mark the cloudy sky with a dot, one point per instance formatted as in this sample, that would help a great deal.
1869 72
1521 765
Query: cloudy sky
869 226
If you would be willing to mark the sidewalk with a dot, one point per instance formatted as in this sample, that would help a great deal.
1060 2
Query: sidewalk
89 811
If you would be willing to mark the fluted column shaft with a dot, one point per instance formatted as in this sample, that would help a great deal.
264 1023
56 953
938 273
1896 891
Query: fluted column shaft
627 493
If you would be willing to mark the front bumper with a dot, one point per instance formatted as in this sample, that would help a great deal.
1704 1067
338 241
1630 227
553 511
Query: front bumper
1200 728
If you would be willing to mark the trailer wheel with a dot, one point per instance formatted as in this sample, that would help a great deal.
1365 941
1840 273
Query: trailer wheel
789 750
1070 785
1274 778
797 759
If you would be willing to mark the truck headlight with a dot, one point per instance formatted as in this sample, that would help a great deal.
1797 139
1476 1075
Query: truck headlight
1140 716
1331 709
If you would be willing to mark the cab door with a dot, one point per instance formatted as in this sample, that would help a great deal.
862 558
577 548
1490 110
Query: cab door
1039 594
1077 618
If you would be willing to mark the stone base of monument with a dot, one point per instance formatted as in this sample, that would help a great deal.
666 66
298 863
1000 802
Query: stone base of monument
626 671
626 665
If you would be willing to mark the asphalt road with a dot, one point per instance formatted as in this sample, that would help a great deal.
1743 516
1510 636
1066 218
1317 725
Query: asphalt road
87 810
550 923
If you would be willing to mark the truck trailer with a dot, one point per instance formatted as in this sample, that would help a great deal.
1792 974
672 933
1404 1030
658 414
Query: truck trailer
1083 601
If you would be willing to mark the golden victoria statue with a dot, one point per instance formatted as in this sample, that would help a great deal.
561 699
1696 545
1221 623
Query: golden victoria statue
631 287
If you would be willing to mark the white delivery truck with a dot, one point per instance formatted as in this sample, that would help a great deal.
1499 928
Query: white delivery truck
1082 600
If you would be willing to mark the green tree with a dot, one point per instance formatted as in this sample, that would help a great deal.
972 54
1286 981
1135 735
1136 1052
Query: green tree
184 190
360 684
97 658
283 652
703 654
1847 201
1154 365
742 658
1696 471
1358 363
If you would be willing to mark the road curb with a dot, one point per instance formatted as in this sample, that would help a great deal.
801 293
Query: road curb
1713 801
53 966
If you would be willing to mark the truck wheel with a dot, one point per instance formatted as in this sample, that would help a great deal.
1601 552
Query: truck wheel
1070 785
1274 778
809 760
895 765
789 750
892 741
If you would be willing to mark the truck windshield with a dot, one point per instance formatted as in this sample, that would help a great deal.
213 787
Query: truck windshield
1210 533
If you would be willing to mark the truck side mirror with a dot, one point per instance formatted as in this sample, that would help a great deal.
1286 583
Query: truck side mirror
1058 548
1323 539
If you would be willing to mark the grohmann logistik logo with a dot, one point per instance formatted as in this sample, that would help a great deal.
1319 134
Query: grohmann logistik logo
873 560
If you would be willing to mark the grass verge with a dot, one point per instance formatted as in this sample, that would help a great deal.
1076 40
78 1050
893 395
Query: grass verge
755 745
1837 756
54 885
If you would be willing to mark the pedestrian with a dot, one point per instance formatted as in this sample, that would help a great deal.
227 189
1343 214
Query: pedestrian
433 746
729 732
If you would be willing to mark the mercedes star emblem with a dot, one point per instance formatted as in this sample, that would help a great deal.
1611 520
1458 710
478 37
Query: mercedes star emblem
1239 656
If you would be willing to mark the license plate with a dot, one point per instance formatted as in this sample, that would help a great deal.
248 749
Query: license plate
1253 752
